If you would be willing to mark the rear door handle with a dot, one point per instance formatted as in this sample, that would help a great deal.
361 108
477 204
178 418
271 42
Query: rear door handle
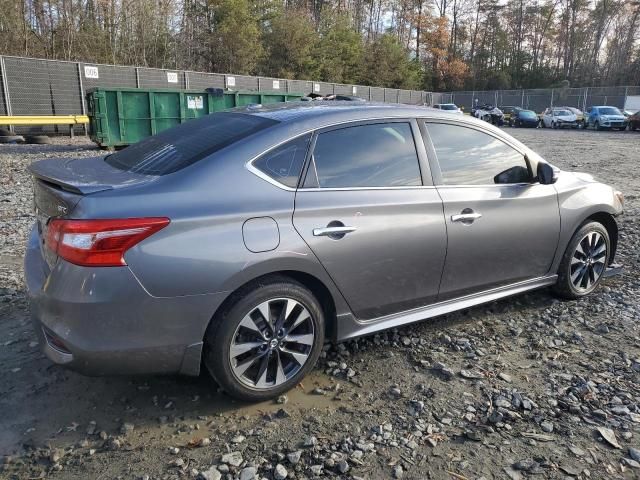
333 231
466 216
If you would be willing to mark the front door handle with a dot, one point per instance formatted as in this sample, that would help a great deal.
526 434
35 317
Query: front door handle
333 231
467 216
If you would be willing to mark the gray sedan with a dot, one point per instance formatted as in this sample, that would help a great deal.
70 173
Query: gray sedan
243 240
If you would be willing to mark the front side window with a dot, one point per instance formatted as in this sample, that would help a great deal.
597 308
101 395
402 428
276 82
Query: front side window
469 157
376 155
284 163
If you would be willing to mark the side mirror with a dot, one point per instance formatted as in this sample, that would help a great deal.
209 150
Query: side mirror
547 174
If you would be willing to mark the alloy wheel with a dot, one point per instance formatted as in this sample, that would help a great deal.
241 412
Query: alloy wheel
588 261
272 343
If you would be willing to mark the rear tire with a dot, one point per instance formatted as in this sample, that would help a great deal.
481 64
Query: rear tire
584 261
279 353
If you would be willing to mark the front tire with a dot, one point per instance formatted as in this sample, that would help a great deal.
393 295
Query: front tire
584 262
266 340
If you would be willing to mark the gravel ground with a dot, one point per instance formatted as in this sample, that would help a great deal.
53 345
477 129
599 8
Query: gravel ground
528 386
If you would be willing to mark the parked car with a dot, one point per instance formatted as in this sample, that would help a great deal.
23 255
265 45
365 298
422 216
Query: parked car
449 108
243 239
524 118
488 113
559 118
633 121
601 117
508 113
579 115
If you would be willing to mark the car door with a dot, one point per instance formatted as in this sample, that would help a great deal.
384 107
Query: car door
502 226
369 212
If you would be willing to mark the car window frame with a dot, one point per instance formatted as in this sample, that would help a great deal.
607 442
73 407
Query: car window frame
424 166
265 176
434 164
259 173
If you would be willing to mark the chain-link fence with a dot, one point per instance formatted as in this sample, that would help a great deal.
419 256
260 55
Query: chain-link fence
31 86
539 99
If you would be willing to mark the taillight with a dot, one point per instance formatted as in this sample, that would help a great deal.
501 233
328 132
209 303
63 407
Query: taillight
100 243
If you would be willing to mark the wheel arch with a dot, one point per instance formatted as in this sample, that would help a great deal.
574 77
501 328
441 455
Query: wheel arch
330 304
573 218
610 224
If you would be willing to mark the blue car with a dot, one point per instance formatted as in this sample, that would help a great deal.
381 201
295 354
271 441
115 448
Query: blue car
602 117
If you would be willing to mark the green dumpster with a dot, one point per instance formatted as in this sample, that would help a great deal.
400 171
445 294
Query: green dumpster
122 116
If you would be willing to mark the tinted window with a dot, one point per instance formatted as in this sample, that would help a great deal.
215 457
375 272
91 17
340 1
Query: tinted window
379 155
284 163
178 147
470 157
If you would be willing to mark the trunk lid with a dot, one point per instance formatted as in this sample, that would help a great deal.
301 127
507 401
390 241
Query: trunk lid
60 183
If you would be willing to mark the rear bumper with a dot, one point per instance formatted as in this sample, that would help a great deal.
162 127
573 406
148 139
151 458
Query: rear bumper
101 321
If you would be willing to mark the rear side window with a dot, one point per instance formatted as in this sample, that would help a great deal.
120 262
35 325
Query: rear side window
284 163
470 157
377 155
186 144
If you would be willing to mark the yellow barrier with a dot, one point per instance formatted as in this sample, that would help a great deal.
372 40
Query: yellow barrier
44 120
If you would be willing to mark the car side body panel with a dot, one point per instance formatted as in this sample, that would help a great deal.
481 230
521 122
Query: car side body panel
580 197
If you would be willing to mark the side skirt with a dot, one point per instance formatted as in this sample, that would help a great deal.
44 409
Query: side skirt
349 327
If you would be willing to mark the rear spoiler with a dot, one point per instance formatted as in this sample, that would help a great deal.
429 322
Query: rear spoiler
83 176
80 189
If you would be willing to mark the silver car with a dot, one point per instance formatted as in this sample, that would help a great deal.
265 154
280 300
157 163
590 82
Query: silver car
243 240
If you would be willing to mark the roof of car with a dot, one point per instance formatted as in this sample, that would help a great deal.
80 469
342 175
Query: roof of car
321 112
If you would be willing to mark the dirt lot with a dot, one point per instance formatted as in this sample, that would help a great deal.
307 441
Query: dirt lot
529 386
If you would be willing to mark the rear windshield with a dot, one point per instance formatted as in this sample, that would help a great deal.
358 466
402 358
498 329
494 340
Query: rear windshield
184 145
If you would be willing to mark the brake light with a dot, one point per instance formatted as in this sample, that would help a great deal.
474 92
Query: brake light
100 243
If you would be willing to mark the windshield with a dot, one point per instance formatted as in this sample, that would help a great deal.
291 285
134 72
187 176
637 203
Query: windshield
609 111
527 114
181 146
562 113
448 106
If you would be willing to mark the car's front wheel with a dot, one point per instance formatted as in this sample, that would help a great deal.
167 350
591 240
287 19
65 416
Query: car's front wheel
584 262
266 340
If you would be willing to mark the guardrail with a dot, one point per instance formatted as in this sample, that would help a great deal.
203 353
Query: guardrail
70 120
